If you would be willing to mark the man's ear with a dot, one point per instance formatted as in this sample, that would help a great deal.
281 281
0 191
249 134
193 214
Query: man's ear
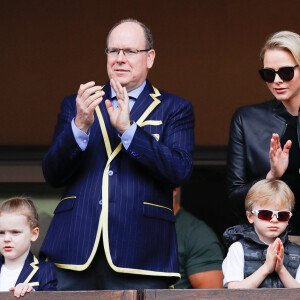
249 217
150 58
35 234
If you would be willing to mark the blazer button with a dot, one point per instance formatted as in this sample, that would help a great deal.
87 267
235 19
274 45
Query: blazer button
110 173
133 153
100 202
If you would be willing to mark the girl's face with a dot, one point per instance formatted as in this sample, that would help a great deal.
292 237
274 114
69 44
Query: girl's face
268 231
16 236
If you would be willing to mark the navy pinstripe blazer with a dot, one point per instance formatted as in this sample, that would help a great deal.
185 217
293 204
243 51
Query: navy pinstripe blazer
39 274
123 195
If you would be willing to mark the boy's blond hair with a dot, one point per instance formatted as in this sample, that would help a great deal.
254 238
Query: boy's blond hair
272 191
21 206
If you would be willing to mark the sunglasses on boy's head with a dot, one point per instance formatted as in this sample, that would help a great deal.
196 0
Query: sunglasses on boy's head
285 73
267 215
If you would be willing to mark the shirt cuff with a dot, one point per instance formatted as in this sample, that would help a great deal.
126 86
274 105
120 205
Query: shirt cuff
128 135
81 137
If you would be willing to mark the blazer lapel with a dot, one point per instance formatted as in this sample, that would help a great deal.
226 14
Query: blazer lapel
29 269
109 127
112 134
142 103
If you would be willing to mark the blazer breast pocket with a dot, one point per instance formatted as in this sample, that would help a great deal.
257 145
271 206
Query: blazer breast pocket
65 204
153 127
156 211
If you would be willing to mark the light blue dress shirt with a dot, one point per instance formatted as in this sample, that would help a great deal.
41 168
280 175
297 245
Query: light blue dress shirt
82 138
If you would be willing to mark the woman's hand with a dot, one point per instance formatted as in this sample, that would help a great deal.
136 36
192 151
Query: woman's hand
279 158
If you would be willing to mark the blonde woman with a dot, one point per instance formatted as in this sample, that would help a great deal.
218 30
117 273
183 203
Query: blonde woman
264 138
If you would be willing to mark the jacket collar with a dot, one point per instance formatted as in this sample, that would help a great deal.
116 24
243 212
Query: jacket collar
247 232
280 110
251 235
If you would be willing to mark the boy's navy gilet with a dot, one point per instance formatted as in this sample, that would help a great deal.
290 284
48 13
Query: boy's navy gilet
255 253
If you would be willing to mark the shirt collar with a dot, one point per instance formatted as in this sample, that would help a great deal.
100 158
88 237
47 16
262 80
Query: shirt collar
134 93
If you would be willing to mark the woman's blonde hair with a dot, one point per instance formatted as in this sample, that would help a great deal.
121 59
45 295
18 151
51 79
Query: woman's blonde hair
272 191
283 40
21 206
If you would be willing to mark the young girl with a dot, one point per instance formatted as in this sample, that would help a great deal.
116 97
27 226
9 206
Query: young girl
20 271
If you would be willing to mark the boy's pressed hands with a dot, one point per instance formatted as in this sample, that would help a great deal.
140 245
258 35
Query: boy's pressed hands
271 258
274 257
21 289
279 256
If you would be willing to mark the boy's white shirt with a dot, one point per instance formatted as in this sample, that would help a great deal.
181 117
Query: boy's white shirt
233 265
8 278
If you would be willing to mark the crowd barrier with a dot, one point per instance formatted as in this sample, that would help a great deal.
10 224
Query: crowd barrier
222 294
76 295
213 294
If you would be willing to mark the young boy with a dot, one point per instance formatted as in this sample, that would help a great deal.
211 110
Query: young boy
20 271
260 254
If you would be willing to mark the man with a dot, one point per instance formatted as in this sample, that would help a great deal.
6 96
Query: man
119 161
199 251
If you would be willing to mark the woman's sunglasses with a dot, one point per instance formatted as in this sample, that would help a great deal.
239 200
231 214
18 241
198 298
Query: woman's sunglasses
285 73
267 215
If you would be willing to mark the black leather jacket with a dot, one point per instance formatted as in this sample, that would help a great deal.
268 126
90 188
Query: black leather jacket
249 145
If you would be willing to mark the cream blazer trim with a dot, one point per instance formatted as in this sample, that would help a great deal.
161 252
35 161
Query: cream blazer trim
151 122
35 269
